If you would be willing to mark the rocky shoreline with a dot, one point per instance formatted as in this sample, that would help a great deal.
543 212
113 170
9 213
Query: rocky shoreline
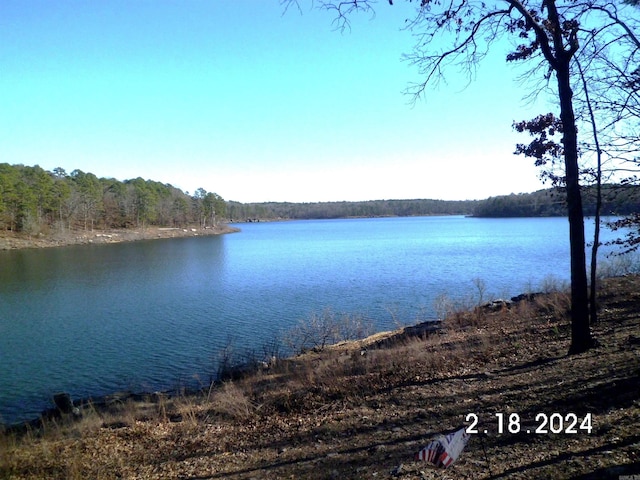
13 241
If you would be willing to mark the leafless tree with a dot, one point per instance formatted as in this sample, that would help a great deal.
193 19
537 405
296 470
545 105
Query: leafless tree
550 35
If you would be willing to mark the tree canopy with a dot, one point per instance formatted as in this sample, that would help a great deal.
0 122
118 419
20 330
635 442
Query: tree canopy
34 200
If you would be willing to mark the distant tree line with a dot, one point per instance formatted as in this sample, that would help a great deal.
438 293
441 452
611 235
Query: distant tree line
617 200
34 200
327 210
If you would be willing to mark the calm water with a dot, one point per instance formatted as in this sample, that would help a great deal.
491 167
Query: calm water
90 320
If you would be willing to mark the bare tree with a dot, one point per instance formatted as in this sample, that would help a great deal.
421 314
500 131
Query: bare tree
548 35
614 79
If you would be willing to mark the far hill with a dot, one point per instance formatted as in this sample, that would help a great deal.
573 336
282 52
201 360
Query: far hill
325 210
617 200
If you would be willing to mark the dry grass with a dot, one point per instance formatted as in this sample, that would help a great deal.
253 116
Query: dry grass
361 409
232 402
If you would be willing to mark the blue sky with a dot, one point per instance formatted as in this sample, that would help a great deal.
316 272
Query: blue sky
253 104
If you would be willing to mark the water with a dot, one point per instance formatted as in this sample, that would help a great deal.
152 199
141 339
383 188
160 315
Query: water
93 319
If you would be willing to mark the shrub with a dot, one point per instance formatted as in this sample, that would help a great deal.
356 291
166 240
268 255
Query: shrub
326 328
619 265
231 401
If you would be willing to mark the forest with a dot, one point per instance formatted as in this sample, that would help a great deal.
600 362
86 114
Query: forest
37 201
326 210
550 202
617 200
34 201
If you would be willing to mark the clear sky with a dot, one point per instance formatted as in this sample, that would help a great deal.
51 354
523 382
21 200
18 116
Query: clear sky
240 99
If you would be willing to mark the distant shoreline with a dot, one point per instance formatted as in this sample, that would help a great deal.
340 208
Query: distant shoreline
19 241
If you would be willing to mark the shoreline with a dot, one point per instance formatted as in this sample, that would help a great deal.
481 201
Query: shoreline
356 411
18 241
75 407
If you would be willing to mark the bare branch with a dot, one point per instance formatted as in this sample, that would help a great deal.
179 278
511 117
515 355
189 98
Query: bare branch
613 15
432 64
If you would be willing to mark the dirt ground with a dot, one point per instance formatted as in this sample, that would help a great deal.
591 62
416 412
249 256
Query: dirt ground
362 410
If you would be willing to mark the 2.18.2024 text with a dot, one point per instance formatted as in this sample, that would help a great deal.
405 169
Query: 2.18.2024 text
569 423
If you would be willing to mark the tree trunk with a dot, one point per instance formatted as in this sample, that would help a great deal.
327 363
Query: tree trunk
593 294
580 332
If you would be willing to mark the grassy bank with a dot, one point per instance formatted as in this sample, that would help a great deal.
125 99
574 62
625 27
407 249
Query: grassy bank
362 409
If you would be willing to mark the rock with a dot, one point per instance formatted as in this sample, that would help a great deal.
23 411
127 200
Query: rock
525 296
423 328
496 305
64 404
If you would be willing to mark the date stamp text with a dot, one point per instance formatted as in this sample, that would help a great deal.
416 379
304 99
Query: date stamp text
542 423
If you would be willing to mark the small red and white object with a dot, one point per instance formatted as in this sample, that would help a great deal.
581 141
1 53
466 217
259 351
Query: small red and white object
445 449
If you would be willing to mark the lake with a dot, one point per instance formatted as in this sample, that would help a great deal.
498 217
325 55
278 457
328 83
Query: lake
154 315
